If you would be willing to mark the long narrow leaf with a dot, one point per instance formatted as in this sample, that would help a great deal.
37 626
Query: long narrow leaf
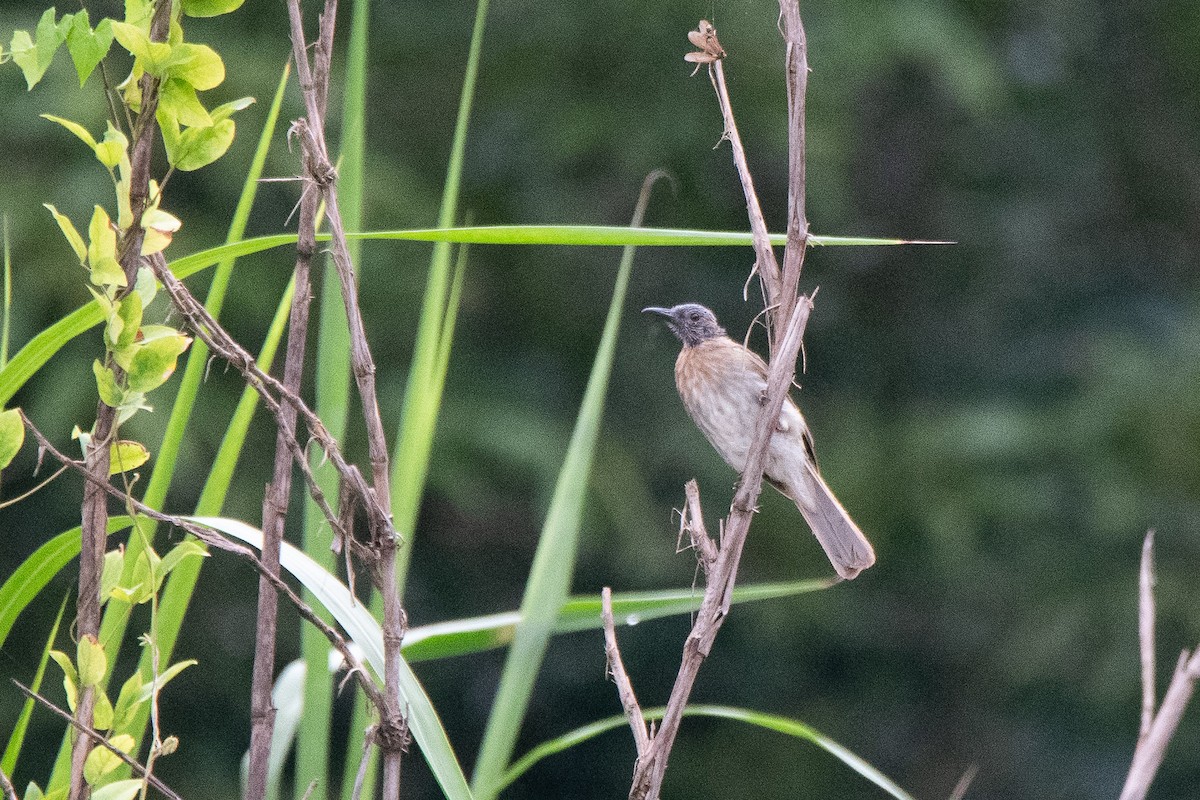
427 373
365 631
13 749
39 349
476 634
774 722
554 562
28 580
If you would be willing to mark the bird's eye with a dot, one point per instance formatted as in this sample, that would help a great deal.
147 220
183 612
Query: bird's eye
695 317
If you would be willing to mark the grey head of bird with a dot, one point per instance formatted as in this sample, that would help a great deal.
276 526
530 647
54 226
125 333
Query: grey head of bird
691 322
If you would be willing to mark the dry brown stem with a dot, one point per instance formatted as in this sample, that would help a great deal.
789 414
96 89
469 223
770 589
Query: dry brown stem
391 732
1157 727
92 735
789 314
94 521
616 668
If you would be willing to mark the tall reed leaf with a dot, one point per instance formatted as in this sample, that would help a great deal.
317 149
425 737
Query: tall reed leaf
554 563
365 631
773 722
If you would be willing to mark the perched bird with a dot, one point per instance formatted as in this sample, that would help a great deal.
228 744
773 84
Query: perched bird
723 386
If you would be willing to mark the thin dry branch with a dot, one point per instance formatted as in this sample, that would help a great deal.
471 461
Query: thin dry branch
275 507
1146 633
391 734
93 735
790 317
616 668
1156 732
214 538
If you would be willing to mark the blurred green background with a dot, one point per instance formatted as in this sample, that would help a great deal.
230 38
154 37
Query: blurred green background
1005 417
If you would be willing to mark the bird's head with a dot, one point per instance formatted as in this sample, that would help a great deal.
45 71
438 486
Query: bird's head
691 322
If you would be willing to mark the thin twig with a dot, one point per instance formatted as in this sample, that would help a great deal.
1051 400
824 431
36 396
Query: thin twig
1149 753
214 538
616 668
788 328
392 733
97 737
796 72
275 506
10 792
1146 633
94 516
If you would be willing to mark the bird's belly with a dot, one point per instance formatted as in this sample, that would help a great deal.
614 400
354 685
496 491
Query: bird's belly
725 404
725 413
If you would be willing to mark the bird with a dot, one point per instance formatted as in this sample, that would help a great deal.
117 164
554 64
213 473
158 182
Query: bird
723 386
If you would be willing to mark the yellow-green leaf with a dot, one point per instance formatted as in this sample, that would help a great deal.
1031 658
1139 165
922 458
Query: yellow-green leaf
196 64
126 455
210 8
130 314
70 676
199 147
99 762
178 98
128 702
92 661
75 128
106 385
113 149
110 576
12 436
160 226
68 230
102 711
102 251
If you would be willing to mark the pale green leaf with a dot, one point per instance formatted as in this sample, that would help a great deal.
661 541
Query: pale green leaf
210 8
126 455
12 436
68 230
75 128
178 98
102 251
102 711
154 362
91 661
118 790
106 385
199 147
87 46
197 65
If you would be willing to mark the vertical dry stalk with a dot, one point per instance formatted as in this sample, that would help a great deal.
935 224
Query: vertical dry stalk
391 733
94 532
275 507
1157 727
789 313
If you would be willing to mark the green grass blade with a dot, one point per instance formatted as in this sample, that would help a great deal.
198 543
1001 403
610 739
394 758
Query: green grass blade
39 349
554 562
427 373
773 722
476 634
364 630
7 311
28 580
8 764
